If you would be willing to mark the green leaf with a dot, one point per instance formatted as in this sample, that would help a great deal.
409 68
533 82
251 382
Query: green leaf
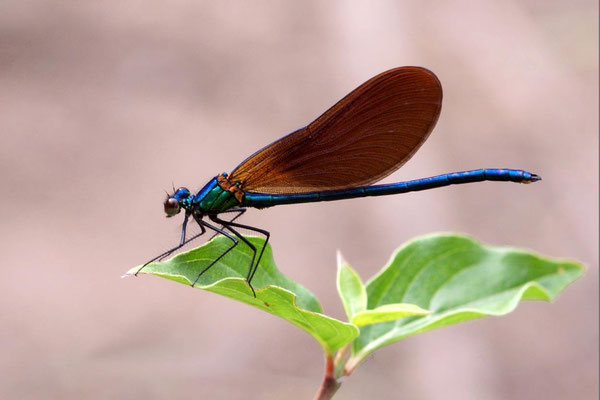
387 312
458 279
354 299
275 293
350 288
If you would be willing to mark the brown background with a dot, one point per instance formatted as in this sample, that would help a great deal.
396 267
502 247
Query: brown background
105 104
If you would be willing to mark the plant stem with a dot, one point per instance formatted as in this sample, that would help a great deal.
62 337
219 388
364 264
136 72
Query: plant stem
341 359
330 384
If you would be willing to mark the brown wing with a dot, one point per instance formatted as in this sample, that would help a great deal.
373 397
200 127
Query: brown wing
366 136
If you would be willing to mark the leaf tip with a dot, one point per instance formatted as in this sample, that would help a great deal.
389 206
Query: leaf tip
340 259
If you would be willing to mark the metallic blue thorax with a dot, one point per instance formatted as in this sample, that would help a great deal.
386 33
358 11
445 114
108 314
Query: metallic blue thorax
212 199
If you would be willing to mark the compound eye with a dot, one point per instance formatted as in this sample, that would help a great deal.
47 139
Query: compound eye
172 207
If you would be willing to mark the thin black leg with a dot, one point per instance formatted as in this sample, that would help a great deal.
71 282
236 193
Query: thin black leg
222 232
243 239
253 266
262 250
182 242
240 212
184 227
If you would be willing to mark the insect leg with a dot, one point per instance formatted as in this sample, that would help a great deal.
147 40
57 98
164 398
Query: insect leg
222 232
182 242
253 266
262 250
240 212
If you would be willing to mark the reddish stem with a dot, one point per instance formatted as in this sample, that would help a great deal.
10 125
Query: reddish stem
330 385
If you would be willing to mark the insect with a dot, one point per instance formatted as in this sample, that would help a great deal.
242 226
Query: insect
363 138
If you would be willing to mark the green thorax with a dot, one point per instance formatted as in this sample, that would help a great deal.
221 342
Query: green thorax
213 198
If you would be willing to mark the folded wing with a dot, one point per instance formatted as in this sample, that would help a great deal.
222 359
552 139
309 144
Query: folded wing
366 136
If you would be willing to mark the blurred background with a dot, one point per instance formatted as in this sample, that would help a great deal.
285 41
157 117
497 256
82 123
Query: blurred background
103 105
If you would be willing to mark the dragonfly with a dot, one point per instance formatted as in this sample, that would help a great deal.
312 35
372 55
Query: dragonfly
364 137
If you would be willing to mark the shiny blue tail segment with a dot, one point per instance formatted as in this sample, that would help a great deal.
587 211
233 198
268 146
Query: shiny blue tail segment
262 200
